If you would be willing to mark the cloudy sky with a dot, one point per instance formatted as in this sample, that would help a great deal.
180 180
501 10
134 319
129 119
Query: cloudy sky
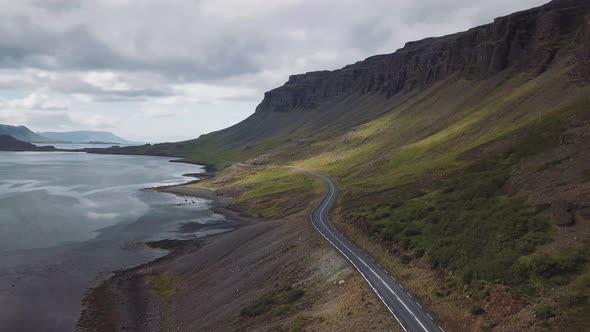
165 70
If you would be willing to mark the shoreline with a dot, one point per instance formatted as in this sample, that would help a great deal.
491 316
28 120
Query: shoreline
45 278
124 300
205 284
101 312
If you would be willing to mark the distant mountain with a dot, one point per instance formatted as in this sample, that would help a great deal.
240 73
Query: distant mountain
9 143
85 137
24 134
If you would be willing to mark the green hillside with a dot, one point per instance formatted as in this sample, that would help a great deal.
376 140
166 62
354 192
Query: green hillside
463 159
84 136
436 178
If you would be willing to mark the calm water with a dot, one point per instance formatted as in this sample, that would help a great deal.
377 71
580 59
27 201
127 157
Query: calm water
76 146
69 219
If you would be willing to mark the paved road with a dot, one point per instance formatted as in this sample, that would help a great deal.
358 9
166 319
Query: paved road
404 307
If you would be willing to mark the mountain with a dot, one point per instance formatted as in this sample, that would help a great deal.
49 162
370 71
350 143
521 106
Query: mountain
24 134
462 160
85 137
528 50
9 143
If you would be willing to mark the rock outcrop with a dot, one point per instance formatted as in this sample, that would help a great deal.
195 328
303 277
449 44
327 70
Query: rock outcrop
528 41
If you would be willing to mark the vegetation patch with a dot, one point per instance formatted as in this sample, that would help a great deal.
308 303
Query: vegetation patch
259 307
573 303
273 192
165 286
477 310
298 324
466 225
280 303
544 311
211 149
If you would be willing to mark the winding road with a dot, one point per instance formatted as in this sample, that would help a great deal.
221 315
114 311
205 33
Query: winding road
405 308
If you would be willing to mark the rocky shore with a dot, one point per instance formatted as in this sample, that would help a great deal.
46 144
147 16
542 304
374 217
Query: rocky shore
127 301
205 284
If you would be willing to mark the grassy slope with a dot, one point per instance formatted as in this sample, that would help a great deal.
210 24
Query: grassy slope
269 192
273 132
436 202
427 175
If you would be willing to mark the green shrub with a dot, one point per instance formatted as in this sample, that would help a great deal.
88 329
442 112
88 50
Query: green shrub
467 276
484 293
297 325
418 253
544 311
571 300
260 306
477 310
442 292
412 231
292 295
284 310
467 225
283 300
405 259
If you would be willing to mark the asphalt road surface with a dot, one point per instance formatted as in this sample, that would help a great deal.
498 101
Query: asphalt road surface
407 311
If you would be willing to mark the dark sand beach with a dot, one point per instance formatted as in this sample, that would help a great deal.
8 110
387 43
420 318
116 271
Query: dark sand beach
125 301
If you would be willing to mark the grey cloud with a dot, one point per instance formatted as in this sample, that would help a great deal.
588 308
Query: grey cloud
204 54
24 45
369 36
184 44
434 11
75 86
57 5
125 96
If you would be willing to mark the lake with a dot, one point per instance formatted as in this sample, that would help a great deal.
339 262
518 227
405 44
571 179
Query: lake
67 220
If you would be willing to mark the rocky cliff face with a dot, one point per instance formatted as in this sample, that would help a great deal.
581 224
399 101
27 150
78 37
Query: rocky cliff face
528 41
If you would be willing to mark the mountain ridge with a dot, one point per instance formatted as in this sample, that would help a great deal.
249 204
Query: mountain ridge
24 134
528 40
525 44
317 104
85 136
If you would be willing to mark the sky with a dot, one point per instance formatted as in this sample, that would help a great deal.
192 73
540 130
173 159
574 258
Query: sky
170 70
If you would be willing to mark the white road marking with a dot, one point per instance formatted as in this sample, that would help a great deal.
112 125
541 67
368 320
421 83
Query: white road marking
321 212
366 279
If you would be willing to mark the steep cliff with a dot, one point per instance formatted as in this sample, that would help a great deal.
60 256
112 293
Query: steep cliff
528 41
550 43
